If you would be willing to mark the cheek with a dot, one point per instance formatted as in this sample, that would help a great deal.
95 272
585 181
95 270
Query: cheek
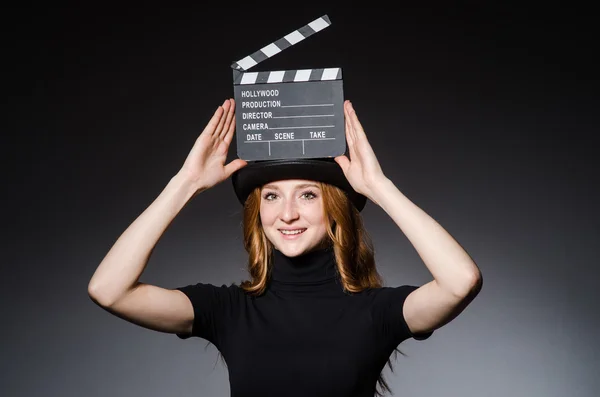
316 215
266 215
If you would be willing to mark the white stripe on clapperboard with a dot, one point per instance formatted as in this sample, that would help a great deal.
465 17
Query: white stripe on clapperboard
301 75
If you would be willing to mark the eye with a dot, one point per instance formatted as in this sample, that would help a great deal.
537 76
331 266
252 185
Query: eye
267 195
310 193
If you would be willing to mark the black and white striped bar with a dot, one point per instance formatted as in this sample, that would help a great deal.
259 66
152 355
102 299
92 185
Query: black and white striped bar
287 41
288 76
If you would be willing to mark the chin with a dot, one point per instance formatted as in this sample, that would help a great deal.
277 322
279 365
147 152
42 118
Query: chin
293 251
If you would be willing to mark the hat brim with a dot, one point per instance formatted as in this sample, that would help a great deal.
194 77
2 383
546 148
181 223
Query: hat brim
259 173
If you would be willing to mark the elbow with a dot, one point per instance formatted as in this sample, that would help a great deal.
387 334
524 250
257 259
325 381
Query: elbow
95 294
99 296
473 284
470 285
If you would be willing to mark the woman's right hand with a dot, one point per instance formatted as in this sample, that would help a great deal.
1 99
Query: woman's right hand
205 164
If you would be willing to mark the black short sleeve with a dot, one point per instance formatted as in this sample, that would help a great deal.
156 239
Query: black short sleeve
214 307
388 316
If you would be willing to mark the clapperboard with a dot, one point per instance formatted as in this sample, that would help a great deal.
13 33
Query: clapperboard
288 113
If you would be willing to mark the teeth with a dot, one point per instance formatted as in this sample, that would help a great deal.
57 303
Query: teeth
292 232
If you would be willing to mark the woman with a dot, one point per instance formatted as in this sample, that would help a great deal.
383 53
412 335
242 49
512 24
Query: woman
313 319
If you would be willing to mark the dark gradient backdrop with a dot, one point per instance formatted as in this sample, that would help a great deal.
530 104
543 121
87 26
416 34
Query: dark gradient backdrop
484 117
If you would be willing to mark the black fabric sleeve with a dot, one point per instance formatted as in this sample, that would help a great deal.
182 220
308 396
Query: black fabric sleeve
388 315
213 307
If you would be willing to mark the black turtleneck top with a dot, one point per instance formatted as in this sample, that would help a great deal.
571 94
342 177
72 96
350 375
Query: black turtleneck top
304 336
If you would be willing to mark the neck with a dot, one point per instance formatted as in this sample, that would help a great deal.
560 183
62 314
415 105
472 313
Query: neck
315 267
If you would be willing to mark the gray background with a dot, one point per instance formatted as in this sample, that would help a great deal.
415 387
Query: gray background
484 117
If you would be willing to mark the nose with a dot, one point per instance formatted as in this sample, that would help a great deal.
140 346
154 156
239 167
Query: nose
289 212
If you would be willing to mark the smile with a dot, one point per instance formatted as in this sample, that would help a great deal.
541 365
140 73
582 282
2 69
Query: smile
292 232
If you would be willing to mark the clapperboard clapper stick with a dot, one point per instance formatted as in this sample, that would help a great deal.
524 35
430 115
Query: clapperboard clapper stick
288 113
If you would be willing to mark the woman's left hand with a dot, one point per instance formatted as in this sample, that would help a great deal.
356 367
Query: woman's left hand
362 169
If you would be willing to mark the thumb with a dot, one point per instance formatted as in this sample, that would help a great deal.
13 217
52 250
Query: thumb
234 166
343 162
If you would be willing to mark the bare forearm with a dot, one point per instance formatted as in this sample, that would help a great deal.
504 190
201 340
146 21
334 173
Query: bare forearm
451 266
122 266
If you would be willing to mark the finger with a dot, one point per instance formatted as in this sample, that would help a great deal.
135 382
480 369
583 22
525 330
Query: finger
349 121
343 162
229 137
358 128
214 121
229 121
219 128
350 134
234 165
363 146
361 143
351 115
227 116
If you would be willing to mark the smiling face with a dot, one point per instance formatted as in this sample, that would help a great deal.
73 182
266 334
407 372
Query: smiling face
293 206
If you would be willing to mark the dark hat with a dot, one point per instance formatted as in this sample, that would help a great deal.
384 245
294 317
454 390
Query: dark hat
258 173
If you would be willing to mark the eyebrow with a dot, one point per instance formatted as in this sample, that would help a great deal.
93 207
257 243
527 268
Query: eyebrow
301 186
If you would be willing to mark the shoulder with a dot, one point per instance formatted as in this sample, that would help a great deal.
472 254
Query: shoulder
215 293
386 306
379 294
214 307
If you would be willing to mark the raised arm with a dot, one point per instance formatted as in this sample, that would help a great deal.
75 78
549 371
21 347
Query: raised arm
115 284
457 279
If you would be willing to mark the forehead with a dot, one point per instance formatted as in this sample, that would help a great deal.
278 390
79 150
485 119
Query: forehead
288 184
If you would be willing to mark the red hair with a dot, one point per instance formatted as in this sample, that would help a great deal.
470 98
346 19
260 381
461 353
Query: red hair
351 243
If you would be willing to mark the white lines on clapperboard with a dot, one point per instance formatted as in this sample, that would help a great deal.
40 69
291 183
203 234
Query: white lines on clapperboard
290 140
312 115
304 126
302 106
304 116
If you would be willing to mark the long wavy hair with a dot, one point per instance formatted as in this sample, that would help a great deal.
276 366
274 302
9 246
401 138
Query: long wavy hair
352 246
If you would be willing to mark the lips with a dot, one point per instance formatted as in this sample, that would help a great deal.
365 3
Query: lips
302 230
